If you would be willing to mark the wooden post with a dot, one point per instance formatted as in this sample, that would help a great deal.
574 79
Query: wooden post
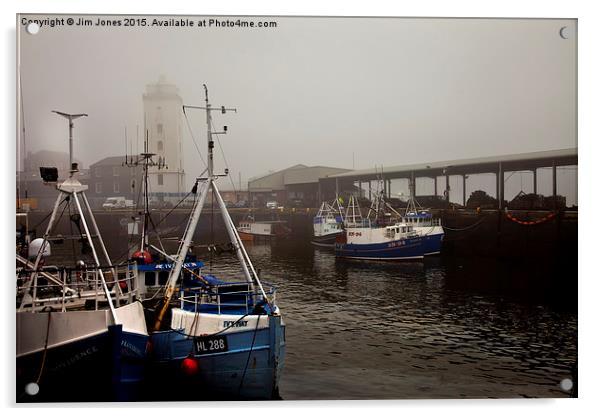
435 178
535 181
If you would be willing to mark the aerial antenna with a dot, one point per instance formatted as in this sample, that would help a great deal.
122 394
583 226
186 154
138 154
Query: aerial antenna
71 117
146 160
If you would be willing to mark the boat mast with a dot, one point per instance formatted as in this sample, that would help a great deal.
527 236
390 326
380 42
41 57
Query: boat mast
145 160
198 207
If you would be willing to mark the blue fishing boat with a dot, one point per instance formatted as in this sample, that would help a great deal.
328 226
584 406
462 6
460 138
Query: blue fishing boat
425 225
213 338
81 334
393 242
379 236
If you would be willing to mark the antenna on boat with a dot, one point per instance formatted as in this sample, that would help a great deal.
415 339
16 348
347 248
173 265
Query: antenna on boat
71 117
146 160
72 190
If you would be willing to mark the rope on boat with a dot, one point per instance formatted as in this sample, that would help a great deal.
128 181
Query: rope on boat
242 379
131 246
45 347
46 217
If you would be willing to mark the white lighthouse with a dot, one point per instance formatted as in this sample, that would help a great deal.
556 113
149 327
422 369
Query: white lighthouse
163 122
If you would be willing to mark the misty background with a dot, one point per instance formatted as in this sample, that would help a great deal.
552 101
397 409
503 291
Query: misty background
343 92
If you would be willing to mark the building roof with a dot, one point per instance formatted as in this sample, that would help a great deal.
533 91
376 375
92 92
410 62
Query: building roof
310 174
271 173
569 154
296 174
110 161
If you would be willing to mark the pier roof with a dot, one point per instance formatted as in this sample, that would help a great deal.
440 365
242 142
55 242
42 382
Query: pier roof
519 161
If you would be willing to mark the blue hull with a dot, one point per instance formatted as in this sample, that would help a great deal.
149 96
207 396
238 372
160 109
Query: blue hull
406 249
249 369
133 361
432 244
91 369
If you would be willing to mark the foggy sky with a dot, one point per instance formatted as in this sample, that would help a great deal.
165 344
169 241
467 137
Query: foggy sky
317 91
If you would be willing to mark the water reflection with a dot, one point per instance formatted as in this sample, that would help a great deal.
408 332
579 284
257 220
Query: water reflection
409 330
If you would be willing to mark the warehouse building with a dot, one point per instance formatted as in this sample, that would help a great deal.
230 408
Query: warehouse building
297 185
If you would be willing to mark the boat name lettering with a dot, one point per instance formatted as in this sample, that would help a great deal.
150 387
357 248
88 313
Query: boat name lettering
130 349
229 324
170 265
355 233
396 244
75 358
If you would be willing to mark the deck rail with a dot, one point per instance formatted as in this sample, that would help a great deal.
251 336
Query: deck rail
240 295
63 287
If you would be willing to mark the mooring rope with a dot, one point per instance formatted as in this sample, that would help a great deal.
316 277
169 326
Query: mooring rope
465 228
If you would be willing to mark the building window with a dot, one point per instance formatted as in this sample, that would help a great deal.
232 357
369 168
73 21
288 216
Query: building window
97 172
160 179
98 187
116 187
160 146
116 171
160 128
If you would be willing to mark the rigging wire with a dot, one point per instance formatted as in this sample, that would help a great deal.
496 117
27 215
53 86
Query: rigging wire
193 139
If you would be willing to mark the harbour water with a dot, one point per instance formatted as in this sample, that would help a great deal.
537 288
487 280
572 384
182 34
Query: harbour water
447 327
441 328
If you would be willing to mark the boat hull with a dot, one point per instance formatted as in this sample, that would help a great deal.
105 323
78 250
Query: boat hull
249 370
432 243
327 240
78 357
397 250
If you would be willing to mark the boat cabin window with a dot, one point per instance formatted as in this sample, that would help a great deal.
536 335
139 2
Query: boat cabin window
149 279
163 276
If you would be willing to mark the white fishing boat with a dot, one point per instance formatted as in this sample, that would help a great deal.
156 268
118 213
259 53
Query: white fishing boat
328 224
251 230
81 334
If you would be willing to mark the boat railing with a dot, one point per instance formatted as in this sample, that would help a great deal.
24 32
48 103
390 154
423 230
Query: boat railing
224 298
62 287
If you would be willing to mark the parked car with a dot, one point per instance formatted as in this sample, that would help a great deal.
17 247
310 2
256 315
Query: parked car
117 202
